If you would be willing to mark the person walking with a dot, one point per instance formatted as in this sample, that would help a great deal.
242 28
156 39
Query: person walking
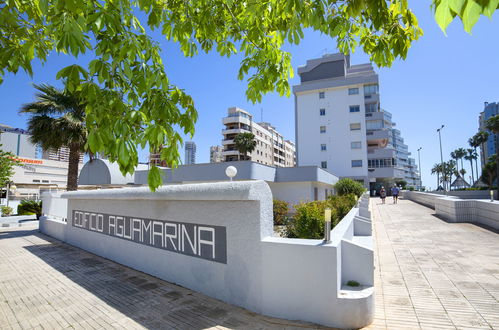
382 194
395 194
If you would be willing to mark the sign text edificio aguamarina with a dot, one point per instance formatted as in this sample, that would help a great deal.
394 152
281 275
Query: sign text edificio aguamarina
201 241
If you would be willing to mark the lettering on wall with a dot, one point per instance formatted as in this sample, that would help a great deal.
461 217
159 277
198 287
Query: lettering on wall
196 240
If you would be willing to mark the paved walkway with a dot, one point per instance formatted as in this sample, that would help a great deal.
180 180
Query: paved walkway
51 285
432 274
429 274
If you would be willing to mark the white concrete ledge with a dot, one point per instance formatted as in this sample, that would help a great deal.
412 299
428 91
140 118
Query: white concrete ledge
453 209
236 190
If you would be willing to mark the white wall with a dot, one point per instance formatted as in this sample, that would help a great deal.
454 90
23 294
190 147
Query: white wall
289 278
338 135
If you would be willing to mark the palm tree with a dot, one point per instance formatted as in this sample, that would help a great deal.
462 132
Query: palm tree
57 118
490 171
454 155
448 170
471 156
437 169
477 141
460 153
245 143
493 126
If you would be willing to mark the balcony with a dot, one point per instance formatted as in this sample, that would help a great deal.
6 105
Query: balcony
230 153
385 172
227 142
236 119
373 153
380 136
371 97
235 131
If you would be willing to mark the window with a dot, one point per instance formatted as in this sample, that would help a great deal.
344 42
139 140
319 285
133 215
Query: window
322 112
321 95
316 193
371 107
323 164
357 163
356 145
355 108
36 181
355 127
353 91
323 129
323 147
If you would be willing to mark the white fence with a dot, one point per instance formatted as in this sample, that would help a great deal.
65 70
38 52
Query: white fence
454 209
216 238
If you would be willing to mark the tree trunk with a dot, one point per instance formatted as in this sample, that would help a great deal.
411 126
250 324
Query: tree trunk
476 164
74 159
438 180
472 172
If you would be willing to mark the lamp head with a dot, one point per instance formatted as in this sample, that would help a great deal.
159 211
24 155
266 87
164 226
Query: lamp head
231 171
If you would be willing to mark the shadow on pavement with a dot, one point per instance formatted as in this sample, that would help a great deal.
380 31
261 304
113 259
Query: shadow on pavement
149 301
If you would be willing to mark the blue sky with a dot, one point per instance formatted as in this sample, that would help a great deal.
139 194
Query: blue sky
444 80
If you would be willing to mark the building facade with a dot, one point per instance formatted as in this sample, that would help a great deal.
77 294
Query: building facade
16 141
271 147
190 153
216 154
488 148
341 127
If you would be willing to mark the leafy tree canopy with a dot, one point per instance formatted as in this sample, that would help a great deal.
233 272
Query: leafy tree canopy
129 98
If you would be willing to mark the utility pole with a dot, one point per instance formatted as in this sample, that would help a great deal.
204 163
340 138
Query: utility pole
441 154
419 161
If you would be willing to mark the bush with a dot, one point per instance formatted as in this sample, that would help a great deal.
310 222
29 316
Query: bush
308 221
411 188
280 212
29 207
348 186
6 210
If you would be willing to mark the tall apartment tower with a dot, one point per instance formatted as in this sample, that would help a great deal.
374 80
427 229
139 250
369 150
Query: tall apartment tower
216 154
271 147
489 148
340 125
190 153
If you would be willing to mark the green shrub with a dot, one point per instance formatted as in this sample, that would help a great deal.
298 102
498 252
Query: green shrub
6 210
280 212
348 186
341 206
411 188
308 221
353 283
29 207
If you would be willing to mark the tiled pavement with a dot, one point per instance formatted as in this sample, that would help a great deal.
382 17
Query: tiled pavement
50 285
431 274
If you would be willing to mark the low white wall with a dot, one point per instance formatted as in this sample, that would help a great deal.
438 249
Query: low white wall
454 209
288 278
468 194
54 206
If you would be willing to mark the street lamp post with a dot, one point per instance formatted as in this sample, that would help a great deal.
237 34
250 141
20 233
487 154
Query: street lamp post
441 154
419 161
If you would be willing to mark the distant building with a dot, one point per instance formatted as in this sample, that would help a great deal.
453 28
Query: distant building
216 154
61 155
190 153
489 147
271 147
16 141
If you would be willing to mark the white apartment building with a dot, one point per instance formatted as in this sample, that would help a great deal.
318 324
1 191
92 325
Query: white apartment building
340 125
61 155
271 147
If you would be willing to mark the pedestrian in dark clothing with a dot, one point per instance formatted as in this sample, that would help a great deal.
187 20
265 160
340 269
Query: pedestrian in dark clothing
382 194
